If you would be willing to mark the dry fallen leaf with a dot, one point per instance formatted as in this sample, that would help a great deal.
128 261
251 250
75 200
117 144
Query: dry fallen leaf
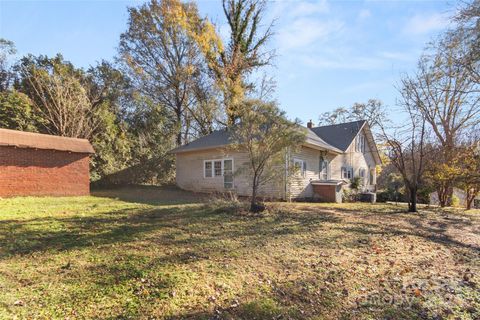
417 292
19 303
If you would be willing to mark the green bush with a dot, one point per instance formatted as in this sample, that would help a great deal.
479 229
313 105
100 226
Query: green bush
355 183
349 195
391 195
455 201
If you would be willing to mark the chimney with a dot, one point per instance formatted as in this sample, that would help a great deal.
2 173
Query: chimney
309 124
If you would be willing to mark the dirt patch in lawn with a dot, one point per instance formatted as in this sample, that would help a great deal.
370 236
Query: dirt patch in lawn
123 257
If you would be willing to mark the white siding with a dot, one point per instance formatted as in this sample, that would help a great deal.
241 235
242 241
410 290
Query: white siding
189 174
300 186
353 159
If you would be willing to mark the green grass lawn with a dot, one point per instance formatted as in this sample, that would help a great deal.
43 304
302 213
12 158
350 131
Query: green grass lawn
161 253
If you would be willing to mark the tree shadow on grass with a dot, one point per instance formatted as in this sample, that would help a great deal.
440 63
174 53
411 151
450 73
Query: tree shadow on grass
198 226
193 225
303 299
309 299
124 225
435 235
431 227
152 195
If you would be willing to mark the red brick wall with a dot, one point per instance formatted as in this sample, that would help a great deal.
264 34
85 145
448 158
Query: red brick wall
34 172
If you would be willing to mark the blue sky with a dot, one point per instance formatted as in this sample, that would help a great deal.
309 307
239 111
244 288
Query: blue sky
329 54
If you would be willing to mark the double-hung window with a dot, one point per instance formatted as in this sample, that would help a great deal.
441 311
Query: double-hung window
347 173
300 167
207 169
219 168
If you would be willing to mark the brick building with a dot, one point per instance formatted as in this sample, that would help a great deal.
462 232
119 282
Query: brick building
33 164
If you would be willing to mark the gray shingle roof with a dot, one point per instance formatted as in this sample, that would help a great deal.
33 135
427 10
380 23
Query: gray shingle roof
340 135
220 138
314 139
217 138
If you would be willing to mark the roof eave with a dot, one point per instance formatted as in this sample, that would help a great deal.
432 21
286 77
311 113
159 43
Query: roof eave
180 150
21 146
319 147
375 153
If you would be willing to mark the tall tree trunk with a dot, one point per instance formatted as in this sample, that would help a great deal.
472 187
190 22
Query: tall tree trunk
178 113
253 202
442 192
412 206
449 196
470 198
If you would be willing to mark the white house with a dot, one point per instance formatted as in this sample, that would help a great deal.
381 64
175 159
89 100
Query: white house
327 160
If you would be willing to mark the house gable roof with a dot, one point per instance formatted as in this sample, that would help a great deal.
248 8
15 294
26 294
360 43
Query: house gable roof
216 139
221 138
340 135
22 139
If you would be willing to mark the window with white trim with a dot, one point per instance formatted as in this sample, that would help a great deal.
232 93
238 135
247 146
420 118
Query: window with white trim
217 168
207 169
300 167
347 173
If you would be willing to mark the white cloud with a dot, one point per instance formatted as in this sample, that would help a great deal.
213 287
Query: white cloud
302 24
301 9
343 61
305 32
307 36
421 24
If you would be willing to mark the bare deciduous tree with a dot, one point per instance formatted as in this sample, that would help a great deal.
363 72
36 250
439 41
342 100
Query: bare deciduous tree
406 146
447 97
468 29
61 100
373 111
